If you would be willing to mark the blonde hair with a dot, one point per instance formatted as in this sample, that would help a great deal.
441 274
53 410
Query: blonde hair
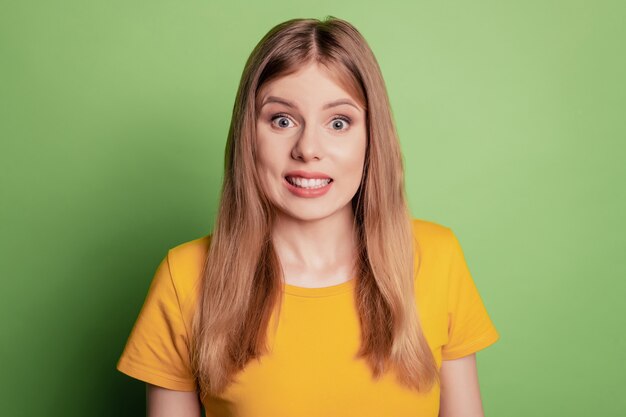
242 277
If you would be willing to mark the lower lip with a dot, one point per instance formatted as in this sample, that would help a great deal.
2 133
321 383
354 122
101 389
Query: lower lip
307 192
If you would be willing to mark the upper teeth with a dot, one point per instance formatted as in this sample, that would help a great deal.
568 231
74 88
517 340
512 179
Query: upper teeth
309 182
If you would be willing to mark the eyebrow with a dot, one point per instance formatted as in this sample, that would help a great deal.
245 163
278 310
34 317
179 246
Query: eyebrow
274 99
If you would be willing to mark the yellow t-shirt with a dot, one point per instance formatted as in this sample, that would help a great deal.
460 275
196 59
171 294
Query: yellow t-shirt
311 370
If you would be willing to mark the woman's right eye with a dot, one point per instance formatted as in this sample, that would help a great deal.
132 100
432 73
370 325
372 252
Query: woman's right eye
281 120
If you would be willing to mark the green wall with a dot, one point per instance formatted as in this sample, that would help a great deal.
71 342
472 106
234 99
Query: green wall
113 120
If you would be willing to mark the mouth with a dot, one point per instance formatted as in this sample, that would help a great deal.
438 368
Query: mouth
308 183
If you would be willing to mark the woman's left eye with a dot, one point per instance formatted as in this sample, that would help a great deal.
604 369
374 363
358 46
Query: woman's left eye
340 122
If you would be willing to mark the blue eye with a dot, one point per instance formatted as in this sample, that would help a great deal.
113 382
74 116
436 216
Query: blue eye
283 121
340 121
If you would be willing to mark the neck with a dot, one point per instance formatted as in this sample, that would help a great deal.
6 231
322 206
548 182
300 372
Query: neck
315 244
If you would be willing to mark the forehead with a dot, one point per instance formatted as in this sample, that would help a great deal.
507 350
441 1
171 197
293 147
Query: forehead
309 84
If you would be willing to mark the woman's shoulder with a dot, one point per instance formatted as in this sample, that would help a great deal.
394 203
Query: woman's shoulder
189 253
430 233
186 263
435 244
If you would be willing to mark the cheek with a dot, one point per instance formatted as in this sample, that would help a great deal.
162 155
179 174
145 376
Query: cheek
262 161
270 162
351 167
266 155
357 156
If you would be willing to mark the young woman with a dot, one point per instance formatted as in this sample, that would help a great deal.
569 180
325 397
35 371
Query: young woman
316 294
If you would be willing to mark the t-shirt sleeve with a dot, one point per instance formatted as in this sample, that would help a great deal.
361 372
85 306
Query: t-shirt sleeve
470 328
157 350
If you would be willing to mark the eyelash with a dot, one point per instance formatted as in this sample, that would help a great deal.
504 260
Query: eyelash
339 116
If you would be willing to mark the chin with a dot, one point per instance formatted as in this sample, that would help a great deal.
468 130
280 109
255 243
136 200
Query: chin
307 215
312 212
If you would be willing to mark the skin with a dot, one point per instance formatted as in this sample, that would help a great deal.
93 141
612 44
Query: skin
162 402
314 237
460 389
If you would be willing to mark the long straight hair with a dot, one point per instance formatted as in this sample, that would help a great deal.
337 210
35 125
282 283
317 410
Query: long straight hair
242 277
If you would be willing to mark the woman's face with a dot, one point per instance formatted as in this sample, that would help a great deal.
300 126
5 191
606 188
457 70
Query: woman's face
311 142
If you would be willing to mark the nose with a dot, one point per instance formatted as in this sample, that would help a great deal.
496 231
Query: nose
307 146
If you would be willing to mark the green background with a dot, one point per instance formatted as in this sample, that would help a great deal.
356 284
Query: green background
113 120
